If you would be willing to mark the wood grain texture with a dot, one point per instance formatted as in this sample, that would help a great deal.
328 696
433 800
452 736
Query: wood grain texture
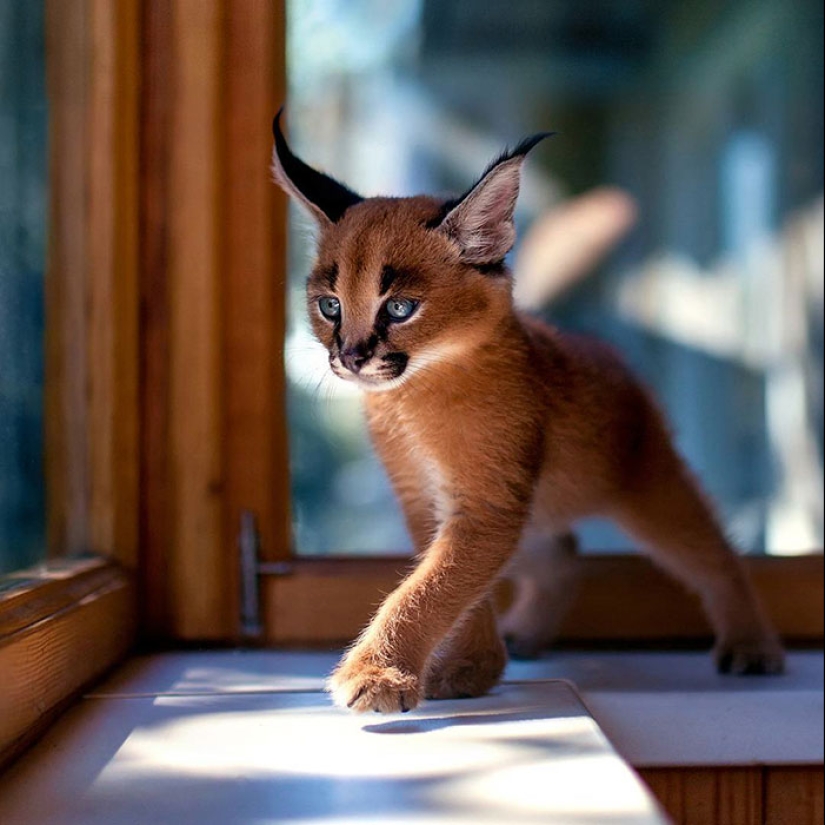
756 795
30 596
66 434
326 603
50 647
708 796
156 59
195 214
622 599
256 465
627 597
794 795
112 301
213 252
91 297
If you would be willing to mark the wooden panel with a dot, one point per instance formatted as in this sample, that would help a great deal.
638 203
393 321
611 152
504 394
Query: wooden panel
155 485
708 796
65 396
91 298
793 590
739 795
256 465
29 596
794 796
328 602
50 647
112 227
194 217
212 287
627 597
622 599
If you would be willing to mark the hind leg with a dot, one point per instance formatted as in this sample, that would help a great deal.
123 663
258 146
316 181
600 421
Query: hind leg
545 575
669 515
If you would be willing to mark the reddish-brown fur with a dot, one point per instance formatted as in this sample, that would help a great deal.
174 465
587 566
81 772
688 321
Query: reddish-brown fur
501 430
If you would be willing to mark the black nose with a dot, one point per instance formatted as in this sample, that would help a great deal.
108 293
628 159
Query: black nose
354 358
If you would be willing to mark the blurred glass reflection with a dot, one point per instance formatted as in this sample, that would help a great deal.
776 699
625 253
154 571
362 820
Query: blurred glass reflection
23 172
679 215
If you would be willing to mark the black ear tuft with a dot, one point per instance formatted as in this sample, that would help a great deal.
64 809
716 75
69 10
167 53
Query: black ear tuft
480 222
519 151
324 196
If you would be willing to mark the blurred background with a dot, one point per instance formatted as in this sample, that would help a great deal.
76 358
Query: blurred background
705 119
708 116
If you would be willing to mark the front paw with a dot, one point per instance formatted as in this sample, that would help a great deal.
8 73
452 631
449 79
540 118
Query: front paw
361 685
746 658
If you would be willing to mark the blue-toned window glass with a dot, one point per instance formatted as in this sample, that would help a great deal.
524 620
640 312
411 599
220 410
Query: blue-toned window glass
23 194
708 115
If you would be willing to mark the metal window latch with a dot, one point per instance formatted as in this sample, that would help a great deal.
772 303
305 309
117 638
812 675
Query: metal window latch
249 546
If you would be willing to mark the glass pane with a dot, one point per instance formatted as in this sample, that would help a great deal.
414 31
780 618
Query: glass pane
23 169
707 116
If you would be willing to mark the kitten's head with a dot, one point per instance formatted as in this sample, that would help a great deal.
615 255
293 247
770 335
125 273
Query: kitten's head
400 284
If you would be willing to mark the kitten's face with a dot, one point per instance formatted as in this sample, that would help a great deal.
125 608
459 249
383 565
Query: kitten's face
390 297
403 284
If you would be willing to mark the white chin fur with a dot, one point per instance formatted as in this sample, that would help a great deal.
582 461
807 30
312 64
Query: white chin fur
369 383
390 384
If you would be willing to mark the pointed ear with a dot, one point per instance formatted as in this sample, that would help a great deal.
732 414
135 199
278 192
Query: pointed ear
481 223
325 198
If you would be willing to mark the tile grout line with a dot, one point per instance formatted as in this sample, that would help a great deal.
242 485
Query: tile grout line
274 691
197 693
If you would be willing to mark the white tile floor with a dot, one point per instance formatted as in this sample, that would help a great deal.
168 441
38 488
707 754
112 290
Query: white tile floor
248 737
671 709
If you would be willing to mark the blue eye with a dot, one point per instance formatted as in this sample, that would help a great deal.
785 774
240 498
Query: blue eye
399 309
330 308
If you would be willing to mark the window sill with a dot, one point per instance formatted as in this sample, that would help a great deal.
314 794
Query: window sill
673 710
62 625
251 732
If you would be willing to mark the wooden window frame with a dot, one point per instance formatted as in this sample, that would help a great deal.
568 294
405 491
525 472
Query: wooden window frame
66 622
623 601
212 263
213 78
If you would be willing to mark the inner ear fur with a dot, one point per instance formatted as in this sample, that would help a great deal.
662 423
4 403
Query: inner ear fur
481 223
323 196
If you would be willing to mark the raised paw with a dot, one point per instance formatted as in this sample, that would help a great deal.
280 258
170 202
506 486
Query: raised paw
750 658
465 678
363 686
